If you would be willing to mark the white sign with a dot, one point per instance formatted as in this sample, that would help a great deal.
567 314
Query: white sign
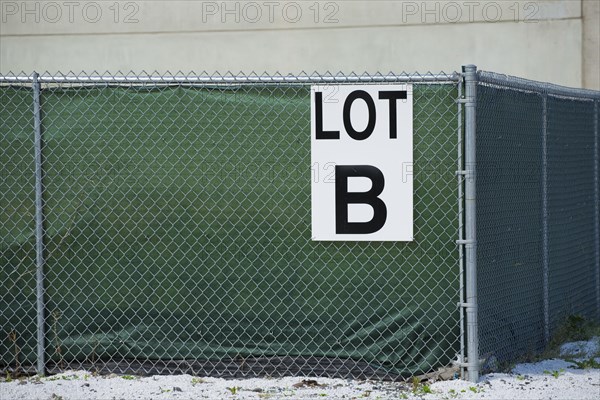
362 157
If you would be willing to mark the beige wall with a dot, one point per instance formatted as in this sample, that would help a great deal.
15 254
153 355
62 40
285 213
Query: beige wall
591 44
534 39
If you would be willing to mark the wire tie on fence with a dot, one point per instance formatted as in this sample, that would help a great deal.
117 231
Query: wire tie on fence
465 241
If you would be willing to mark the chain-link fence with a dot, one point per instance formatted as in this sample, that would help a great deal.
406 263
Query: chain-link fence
537 212
163 225
174 232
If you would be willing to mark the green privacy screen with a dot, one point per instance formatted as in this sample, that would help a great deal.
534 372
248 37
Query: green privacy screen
509 222
17 225
537 208
178 238
571 210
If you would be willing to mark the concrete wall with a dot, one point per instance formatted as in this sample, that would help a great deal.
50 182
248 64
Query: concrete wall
540 40
591 44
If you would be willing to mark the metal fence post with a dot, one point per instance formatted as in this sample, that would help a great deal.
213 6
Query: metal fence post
545 268
461 229
39 228
597 201
470 76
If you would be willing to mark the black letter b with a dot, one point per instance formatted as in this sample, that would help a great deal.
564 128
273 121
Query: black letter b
343 198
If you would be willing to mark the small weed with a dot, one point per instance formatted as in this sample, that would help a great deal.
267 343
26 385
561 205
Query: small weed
420 389
56 397
404 396
520 378
56 315
8 377
415 384
555 374
323 394
572 328
12 336
61 378
128 377
164 390
587 364
196 381
234 389
475 389
365 394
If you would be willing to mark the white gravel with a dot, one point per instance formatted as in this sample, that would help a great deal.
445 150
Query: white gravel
548 379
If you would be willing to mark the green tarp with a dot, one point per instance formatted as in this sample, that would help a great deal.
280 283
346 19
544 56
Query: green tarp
177 225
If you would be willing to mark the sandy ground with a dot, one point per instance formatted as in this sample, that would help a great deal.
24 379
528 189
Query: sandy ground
548 379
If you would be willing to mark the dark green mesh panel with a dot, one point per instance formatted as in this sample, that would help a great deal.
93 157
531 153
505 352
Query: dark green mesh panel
571 209
509 221
511 124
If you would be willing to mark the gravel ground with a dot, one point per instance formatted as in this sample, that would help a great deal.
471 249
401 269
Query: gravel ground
548 379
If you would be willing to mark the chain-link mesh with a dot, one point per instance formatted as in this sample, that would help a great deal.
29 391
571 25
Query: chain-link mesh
537 199
17 227
509 221
177 234
571 209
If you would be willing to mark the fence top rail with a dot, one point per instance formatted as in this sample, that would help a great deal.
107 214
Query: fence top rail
513 82
143 78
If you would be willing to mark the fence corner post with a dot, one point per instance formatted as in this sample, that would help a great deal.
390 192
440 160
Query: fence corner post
597 201
39 227
470 80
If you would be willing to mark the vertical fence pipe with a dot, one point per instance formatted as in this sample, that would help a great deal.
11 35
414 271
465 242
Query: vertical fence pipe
597 202
461 227
545 268
39 228
470 75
